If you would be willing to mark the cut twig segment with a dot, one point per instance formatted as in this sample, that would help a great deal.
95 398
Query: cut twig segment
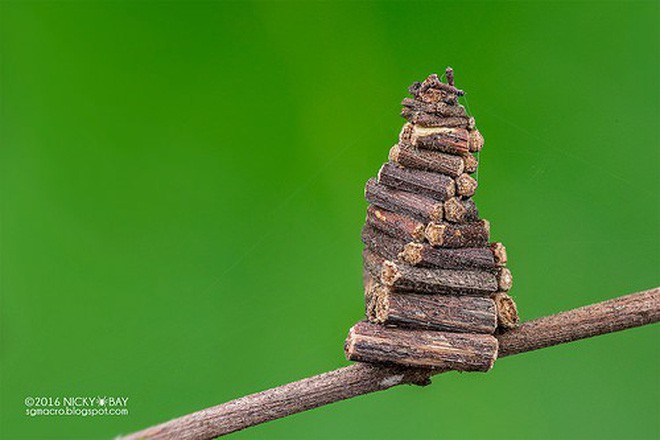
476 141
507 311
424 255
406 133
369 287
499 252
433 82
373 263
427 160
434 185
397 225
369 342
433 96
504 279
453 235
466 314
446 281
437 108
382 244
471 164
444 139
431 120
420 207
466 185
461 211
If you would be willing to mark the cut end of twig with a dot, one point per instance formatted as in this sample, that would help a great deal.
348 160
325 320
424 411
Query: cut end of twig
507 311
437 212
486 224
435 234
504 279
466 185
470 163
418 233
499 253
382 306
390 274
395 151
454 210
349 344
407 131
476 141
412 253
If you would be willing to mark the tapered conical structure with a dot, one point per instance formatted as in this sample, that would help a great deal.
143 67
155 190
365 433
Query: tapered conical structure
435 287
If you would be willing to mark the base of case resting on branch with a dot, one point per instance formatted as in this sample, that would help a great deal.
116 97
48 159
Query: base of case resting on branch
610 316
421 348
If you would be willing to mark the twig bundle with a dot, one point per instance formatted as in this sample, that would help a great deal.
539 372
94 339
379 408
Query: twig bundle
435 288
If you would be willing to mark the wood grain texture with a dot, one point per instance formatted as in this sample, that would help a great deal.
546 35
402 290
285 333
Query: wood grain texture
433 82
459 210
419 207
454 235
444 139
425 255
433 96
373 263
433 185
382 243
397 225
507 311
367 342
427 160
605 317
370 285
432 90
283 401
438 108
431 120
465 314
446 281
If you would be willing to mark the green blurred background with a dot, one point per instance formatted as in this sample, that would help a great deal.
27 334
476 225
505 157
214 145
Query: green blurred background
182 201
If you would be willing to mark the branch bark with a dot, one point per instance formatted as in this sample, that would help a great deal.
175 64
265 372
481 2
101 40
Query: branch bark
605 317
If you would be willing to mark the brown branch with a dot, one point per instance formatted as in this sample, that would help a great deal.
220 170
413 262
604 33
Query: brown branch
605 317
